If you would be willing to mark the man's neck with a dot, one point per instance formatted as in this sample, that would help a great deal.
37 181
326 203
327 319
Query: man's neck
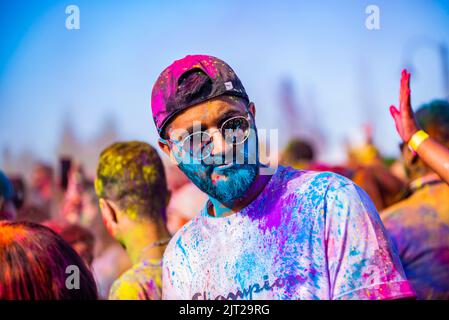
142 241
219 209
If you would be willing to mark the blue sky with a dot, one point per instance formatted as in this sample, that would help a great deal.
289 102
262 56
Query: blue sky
108 66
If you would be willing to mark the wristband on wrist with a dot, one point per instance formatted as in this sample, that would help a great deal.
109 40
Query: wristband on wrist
416 140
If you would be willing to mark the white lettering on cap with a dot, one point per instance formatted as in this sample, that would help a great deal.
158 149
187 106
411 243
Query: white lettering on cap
229 85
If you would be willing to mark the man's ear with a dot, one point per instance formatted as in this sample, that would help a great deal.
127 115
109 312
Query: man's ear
166 149
252 109
109 215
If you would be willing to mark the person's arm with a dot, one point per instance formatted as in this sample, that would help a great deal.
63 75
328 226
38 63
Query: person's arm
435 155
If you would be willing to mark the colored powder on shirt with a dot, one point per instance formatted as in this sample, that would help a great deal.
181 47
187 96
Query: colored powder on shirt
142 282
308 235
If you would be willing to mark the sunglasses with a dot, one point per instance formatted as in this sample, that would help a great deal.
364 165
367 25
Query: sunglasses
199 144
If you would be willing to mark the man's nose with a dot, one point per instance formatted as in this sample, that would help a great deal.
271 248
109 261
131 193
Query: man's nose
219 144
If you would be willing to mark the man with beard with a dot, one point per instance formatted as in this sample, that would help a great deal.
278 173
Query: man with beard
287 234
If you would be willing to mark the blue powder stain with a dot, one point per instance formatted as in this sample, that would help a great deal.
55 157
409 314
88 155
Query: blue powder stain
354 252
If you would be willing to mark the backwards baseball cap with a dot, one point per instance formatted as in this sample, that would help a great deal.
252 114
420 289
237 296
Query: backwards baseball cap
173 92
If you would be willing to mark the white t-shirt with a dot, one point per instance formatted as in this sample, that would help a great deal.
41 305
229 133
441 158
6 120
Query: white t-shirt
308 235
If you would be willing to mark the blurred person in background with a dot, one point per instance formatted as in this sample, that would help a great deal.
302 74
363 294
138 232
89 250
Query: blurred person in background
133 195
19 187
72 204
419 225
34 262
298 154
79 238
42 187
186 200
7 207
82 241
42 198
370 171
109 259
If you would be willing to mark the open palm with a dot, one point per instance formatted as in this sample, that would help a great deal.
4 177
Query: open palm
404 118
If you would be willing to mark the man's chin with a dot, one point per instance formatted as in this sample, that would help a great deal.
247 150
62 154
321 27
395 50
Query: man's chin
223 183
232 183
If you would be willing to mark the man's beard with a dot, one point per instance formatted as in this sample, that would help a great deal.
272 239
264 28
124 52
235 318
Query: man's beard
231 183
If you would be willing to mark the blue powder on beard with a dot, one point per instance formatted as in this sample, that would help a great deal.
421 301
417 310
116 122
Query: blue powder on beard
238 179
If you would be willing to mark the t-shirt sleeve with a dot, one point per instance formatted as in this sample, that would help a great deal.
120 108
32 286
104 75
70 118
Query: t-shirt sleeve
361 261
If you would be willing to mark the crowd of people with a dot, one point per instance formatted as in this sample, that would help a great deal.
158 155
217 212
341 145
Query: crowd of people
212 225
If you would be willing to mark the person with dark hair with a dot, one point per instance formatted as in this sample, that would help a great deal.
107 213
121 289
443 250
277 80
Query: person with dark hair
7 208
42 198
19 191
297 153
81 240
36 264
133 195
419 225
42 187
264 233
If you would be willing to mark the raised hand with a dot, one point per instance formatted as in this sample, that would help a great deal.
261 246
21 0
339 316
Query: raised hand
404 118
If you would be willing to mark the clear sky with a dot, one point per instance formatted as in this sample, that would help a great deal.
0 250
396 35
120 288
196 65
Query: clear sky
108 66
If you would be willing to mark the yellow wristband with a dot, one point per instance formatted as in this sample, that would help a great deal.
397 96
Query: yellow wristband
416 140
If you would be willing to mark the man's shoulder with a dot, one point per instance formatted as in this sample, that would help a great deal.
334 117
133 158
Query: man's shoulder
311 181
334 191
141 272
132 283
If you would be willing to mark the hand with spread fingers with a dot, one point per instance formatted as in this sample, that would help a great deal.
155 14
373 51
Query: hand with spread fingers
404 118
434 154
